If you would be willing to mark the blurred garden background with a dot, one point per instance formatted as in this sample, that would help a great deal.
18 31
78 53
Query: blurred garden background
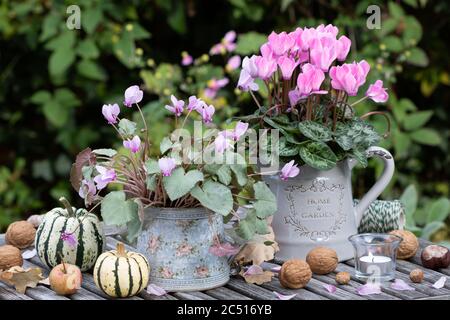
54 81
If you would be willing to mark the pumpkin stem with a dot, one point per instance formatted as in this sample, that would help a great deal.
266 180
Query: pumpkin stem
121 252
66 204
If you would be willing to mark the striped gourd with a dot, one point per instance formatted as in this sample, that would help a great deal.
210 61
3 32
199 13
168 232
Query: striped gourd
86 230
121 274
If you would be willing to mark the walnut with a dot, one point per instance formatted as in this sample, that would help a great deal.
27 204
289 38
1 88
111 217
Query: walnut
322 260
20 234
408 247
343 277
295 274
416 275
10 256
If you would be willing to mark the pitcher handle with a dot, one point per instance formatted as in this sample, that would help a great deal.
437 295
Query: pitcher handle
381 183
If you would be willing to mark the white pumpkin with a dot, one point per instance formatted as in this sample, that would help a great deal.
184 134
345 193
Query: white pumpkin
121 274
85 228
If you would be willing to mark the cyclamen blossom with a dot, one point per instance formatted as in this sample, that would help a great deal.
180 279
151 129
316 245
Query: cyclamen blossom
110 112
133 145
214 86
239 130
195 103
249 65
280 43
287 66
87 188
323 52
377 93
166 165
104 177
226 45
177 106
69 238
349 77
222 143
266 67
246 82
290 170
294 97
186 58
206 112
343 47
310 80
133 95
233 63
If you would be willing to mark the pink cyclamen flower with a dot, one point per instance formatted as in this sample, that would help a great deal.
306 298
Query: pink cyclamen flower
377 93
186 58
206 112
280 43
310 80
104 177
287 66
294 97
246 82
166 165
401 285
290 170
323 52
222 143
226 45
133 144
133 95
343 47
233 63
177 106
110 112
368 289
349 76
239 130
87 188
266 67
249 65
266 51
195 103
69 238
214 86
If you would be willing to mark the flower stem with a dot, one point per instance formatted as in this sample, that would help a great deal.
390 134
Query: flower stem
358 101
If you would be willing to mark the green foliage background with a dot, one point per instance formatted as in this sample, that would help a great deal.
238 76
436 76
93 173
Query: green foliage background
55 80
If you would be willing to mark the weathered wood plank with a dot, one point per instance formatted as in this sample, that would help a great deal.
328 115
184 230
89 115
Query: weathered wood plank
195 295
316 286
223 293
416 259
251 290
406 295
444 297
429 275
9 293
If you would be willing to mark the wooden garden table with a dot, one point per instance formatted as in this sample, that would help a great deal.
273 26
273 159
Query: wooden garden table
238 289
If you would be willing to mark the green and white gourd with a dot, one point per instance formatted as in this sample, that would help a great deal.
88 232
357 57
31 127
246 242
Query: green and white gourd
86 229
121 274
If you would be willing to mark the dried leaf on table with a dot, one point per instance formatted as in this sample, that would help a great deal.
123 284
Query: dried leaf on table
45 282
257 250
259 278
22 278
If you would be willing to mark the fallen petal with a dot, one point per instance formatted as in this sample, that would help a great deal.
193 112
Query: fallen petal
440 283
401 285
155 290
28 254
276 269
330 288
253 270
369 288
283 297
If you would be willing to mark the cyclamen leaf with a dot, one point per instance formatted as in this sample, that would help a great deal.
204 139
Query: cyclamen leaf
127 127
266 203
152 166
315 131
105 152
214 196
318 155
179 184
286 149
165 145
116 210
360 156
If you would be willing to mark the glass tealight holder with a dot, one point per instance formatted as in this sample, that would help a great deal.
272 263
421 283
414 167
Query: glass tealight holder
375 256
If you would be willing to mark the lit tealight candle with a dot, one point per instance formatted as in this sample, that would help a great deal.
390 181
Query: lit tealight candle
375 264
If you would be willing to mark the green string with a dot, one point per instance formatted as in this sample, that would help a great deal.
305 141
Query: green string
382 216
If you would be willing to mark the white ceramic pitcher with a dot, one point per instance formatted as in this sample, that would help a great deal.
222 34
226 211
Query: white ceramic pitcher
316 207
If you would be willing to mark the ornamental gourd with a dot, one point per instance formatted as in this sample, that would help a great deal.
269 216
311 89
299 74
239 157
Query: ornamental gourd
83 226
121 274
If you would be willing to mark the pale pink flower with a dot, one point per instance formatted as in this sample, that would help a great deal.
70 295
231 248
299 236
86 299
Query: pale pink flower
283 296
266 51
280 43
183 249
153 244
214 86
297 36
330 288
195 103
104 177
133 95
329 28
369 288
287 66
401 285
246 82
440 283
177 106
310 80
266 67
166 273
110 112
343 47
349 77
377 93
87 187
294 97
239 130
207 113
155 290
70 239
132 144
166 165
222 143
290 170
254 269
202 271
323 52
233 63
186 58
249 65
226 45
306 38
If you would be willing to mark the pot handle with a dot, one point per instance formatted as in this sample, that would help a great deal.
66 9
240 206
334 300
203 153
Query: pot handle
381 183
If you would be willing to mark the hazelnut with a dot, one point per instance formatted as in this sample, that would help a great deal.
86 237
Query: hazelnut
409 245
10 256
435 257
343 277
295 274
20 234
322 260
416 275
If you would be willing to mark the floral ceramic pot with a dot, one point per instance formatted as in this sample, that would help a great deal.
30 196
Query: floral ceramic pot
177 244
